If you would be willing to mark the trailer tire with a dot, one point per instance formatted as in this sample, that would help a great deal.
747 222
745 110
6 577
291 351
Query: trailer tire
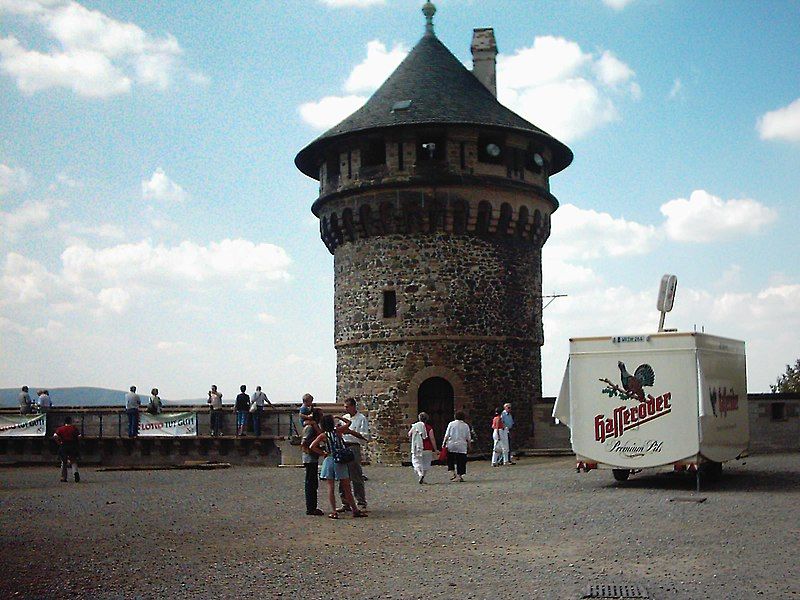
621 474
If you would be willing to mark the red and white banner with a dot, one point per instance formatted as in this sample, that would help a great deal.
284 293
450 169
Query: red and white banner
167 424
23 425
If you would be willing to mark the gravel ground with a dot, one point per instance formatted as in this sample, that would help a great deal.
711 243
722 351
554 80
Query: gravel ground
533 530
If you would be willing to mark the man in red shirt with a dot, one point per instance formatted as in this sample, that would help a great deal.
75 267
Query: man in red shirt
67 437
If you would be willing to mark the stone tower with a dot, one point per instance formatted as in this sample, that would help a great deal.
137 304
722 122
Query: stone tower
434 200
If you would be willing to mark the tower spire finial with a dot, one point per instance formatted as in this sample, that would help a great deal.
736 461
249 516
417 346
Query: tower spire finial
429 10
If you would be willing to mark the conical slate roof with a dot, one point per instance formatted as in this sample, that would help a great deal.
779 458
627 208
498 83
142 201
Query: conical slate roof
441 91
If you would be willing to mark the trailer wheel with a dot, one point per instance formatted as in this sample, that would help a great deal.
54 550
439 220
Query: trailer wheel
621 474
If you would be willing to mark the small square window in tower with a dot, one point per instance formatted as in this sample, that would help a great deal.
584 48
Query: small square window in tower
373 154
389 304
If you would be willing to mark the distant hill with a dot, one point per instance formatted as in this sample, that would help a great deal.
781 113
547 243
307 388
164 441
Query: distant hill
80 396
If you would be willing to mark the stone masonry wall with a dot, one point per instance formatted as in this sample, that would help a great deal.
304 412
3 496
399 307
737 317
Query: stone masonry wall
468 310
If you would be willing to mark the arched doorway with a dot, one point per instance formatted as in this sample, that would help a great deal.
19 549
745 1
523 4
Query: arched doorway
435 397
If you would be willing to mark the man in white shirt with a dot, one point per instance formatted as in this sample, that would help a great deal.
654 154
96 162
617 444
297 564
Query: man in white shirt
259 399
132 404
359 425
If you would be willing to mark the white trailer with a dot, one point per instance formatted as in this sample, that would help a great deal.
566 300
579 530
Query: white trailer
674 400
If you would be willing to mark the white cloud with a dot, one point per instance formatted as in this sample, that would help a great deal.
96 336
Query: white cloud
781 124
706 218
266 318
90 53
617 4
188 262
365 78
561 88
12 179
330 110
53 331
114 299
162 188
375 68
23 280
676 90
355 3
103 230
26 216
9 326
580 234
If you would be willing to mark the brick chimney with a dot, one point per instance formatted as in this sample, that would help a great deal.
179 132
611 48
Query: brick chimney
484 57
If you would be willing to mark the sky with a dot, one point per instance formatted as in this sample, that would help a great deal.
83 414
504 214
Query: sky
154 230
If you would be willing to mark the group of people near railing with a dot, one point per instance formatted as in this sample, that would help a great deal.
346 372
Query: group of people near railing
246 406
29 406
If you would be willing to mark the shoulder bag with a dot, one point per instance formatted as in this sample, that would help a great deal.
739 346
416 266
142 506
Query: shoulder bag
341 454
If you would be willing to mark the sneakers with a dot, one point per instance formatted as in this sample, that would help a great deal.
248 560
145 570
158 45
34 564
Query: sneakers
460 479
343 509
315 513
77 477
422 480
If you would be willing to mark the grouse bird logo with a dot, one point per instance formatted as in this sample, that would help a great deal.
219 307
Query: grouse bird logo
634 384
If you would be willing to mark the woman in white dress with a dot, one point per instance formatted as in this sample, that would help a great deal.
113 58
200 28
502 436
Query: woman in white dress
500 437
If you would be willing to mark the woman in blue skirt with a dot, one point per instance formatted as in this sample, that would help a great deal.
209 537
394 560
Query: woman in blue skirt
331 437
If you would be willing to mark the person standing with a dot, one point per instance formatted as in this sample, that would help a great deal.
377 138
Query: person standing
154 406
215 406
509 421
260 400
500 437
311 430
132 404
358 432
43 403
332 471
67 437
25 404
242 408
423 446
457 439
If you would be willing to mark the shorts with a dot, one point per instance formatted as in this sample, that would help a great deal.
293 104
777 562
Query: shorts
334 470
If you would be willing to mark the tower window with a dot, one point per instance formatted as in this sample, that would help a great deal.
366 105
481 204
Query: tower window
389 304
373 154
333 168
491 150
463 155
430 148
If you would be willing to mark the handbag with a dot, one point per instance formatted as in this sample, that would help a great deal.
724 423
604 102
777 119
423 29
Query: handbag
253 406
443 454
341 454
